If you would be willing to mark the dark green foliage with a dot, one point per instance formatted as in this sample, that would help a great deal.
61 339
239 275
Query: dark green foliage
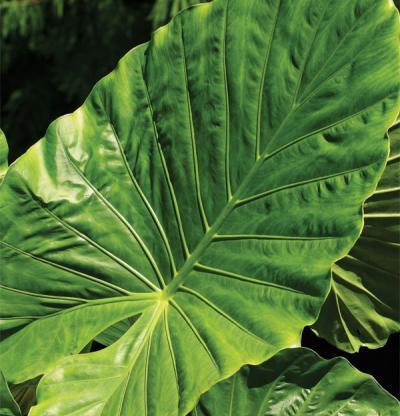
56 50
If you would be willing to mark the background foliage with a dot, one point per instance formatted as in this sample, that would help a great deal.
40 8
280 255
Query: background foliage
53 52
58 49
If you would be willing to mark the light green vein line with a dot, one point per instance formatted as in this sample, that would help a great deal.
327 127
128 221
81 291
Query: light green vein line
327 60
317 131
382 215
315 91
394 157
147 336
229 237
207 269
386 190
252 198
360 322
146 377
90 304
195 333
41 295
262 82
370 266
345 327
146 203
193 141
118 215
23 317
67 269
309 49
394 125
222 313
166 173
94 244
341 274
387 244
227 111
171 349
122 396
235 377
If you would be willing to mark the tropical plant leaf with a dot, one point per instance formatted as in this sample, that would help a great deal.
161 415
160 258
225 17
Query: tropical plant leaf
3 155
298 382
202 192
363 306
8 406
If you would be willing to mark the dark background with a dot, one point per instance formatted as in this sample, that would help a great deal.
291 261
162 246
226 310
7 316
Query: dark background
53 52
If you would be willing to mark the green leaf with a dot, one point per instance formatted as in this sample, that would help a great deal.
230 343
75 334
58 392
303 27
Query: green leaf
363 306
8 406
298 382
200 194
3 155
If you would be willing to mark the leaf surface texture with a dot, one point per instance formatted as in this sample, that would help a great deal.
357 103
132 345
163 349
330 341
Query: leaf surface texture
198 200
363 306
298 382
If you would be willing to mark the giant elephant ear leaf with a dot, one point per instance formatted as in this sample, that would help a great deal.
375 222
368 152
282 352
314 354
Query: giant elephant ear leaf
363 306
201 194
8 406
298 382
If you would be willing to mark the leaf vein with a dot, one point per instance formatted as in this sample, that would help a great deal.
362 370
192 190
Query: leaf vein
195 332
146 202
166 173
118 215
193 141
68 269
225 273
222 313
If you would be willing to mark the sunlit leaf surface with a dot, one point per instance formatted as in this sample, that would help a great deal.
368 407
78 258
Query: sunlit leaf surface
200 196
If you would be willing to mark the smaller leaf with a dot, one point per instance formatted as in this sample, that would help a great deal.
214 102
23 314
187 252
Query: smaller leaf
3 155
363 306
25 394
298 382
8 406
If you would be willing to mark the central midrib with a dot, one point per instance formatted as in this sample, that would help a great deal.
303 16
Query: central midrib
193 258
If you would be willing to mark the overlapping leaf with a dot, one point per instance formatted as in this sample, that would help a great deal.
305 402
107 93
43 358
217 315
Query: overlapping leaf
200 196
8 406
297 382
363 306
3 155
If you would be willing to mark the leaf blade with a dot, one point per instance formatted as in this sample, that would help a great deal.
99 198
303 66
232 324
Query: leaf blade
148 116
300 382
362 310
